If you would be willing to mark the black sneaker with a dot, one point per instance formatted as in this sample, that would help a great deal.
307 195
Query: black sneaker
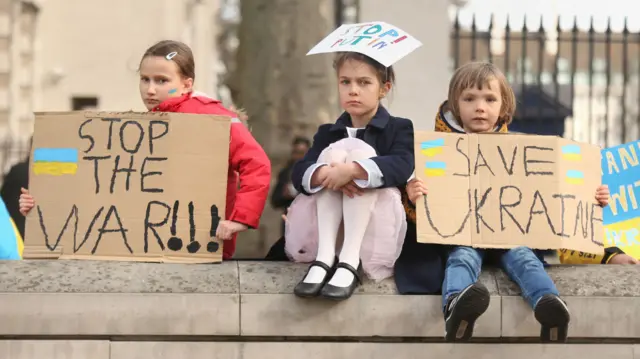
462 311
553 315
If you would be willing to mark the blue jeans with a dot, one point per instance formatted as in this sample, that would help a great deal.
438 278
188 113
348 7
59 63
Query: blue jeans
521 264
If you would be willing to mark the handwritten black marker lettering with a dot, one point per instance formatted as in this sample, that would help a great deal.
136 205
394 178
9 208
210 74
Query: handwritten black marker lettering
592 221
563 208
153 136
111 122
213 246
127 170
92 142
460 151
72 214
462 226
581 219
152 225
174 243
144 174
504 161
479 206
484 162
527 161
113 211
88 232
136 148
544 211
504 207
96 172
193 246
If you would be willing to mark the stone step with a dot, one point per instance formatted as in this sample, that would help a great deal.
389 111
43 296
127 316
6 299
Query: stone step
79 349
254 299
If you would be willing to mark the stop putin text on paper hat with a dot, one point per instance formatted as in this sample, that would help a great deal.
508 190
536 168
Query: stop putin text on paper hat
382 42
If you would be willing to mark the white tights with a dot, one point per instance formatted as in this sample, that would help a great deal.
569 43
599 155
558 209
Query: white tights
333 207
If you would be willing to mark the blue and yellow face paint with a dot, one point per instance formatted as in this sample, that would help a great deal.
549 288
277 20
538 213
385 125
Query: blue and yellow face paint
55 161
173 93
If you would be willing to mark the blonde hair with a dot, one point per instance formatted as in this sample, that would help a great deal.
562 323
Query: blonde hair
479 75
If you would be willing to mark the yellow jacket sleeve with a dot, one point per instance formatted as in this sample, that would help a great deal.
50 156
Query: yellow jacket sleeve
568 256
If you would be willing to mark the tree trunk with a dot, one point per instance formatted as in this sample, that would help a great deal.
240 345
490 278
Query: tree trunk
284 92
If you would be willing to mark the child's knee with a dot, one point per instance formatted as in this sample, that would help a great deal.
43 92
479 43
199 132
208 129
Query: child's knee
523 255
465 255
521 252
332 155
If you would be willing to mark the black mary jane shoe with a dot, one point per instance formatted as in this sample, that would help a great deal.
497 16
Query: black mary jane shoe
309 290
341 293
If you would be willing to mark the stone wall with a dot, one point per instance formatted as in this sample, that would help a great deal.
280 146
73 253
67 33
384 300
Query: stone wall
113 310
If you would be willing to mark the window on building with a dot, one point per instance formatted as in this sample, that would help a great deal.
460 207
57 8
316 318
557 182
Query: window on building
84 103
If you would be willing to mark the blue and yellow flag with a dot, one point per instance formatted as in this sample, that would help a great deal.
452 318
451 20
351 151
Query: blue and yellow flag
55 161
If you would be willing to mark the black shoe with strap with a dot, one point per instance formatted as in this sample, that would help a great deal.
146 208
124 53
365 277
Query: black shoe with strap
341 293
309 290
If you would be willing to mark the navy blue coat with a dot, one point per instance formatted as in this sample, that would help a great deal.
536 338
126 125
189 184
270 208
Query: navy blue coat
391 137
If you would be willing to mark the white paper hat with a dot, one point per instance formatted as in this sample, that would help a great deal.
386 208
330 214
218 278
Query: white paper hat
382 42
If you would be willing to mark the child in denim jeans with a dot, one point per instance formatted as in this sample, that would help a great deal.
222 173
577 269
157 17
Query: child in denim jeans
480 100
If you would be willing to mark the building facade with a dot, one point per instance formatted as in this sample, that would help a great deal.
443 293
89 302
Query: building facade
18 27
91 49
63 55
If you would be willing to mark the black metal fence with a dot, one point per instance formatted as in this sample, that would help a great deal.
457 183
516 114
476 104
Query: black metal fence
592 74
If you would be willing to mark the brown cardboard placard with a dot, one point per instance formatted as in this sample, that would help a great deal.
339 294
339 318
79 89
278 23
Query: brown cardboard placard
127 186
505 191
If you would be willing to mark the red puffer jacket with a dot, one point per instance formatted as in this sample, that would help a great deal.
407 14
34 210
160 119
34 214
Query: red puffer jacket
247 162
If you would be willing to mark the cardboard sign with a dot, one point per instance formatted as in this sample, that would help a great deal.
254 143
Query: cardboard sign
127 186
621 171
382 42
504 191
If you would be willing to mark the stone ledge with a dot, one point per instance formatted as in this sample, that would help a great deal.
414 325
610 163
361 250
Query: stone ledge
76 276
256 277
71 349
282 277
246 298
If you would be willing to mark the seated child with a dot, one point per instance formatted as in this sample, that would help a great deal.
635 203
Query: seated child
481 100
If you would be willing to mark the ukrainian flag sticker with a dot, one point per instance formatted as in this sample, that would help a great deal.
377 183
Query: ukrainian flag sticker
432 148
571 153
435 169
574 177
55 161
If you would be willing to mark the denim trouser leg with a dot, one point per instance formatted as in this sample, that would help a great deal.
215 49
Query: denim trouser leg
462 269
525 268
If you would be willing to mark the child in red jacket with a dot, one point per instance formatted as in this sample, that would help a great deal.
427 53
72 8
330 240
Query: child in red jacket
167 72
